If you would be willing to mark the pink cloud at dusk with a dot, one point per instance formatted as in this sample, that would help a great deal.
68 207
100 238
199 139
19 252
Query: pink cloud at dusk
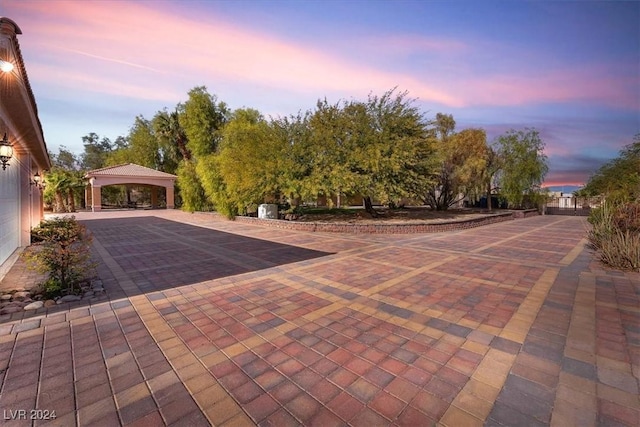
571 70
409 44
554 86
140 35
205 51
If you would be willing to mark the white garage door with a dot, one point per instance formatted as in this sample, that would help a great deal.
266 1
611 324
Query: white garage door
9 212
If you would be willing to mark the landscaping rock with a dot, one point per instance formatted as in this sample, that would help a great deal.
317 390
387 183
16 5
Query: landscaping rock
97 286
68 298
34 305
49 303
11 309
21 295
5 297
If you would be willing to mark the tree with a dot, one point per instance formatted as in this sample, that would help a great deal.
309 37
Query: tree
171 138
619 178
143 144
461 160
379 149
294 135
96 151
75 184
524 165
401 157
65 159
56 189
63 187
202 118
329 144
493 165
249 162
191 192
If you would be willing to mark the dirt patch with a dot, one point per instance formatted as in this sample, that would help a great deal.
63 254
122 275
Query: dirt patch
392 216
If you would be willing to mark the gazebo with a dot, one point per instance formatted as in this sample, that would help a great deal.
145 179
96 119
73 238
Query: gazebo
129 173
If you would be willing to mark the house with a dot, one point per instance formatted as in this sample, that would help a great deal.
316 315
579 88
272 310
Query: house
23 152
562 200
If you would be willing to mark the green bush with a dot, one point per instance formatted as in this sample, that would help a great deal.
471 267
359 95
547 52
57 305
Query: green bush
61 248
616 234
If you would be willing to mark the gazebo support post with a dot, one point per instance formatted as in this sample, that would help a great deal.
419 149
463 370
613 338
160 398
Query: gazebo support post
96 198
87 196
170 198
154 197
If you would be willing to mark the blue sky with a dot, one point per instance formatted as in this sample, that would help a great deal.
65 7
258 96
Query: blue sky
569 69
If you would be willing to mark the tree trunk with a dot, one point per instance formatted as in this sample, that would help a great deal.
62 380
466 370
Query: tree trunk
182 147
58 204
489 196
368 207
71 202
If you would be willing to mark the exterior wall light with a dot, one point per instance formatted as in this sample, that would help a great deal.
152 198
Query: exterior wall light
6 66
38 181
6 152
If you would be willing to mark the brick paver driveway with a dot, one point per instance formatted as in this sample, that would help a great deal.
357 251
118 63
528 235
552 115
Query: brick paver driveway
215 322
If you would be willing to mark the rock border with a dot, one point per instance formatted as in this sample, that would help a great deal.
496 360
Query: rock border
17 300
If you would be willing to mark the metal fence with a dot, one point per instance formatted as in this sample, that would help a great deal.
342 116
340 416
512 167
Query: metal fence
579 206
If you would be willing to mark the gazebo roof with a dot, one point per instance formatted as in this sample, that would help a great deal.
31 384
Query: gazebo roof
129 170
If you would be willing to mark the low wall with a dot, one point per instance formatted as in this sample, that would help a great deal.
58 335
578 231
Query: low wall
387 228
526 213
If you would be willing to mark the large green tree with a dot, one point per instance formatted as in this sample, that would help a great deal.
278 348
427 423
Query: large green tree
330 145
379 148
172 139
524 165
400 156
460 162
202 118
619 178
249 162
293 133
63 188
64 159
96 151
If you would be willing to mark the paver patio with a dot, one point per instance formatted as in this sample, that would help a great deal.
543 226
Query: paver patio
209 321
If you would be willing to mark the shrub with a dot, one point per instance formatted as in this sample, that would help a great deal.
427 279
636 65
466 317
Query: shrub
61 248
627 217
616 234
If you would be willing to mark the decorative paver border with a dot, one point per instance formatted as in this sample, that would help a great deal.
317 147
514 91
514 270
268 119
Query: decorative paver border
407 228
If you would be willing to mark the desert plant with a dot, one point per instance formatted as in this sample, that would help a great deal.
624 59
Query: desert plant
615 234
62 249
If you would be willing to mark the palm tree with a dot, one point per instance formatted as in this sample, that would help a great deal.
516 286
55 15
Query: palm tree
75 186
167 125
62 188
57 188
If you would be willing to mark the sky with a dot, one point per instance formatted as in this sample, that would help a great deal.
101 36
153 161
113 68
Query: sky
569 69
